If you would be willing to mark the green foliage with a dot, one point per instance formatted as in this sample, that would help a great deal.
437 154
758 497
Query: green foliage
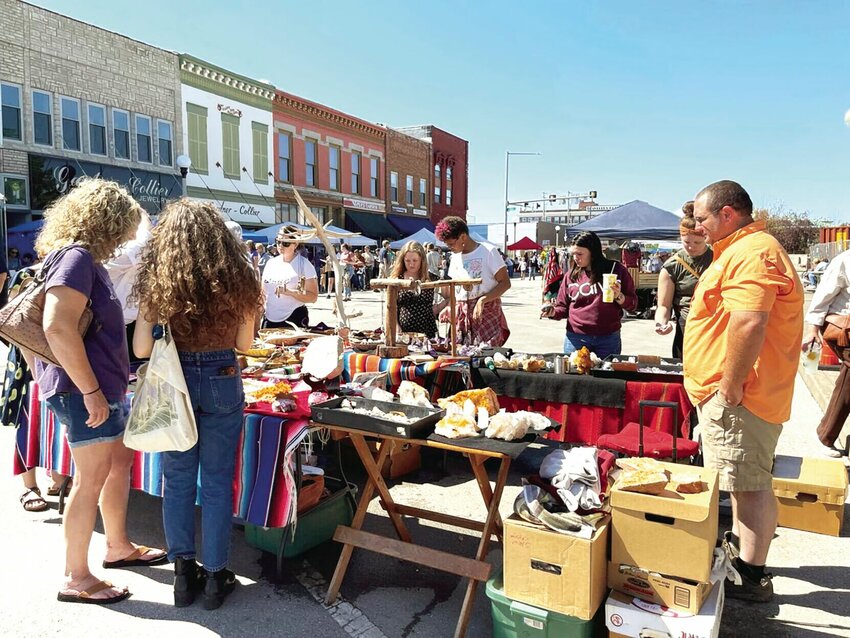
795 231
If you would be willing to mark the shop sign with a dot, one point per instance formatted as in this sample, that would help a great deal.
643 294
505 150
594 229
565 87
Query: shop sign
252 214
420 211
400 209
362 204
52 177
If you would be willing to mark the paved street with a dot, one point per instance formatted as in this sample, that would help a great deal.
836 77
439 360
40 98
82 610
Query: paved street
387 597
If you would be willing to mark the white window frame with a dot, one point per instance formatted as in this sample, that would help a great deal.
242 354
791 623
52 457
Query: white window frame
408 187
374 177
394 180
171 139
423 192
105 129
62 99
49 113
20 111
129 134
136 117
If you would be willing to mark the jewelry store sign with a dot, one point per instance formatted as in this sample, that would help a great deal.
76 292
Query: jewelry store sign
251 214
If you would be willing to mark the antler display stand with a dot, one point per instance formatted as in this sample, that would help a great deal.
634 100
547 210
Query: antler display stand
390 349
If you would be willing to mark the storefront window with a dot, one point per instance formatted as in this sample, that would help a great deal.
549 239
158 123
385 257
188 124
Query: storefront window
70 124
42 118
373 177
333 168
97 129
355 173
164 144
144 143
284 154
10 98
310 162
121 134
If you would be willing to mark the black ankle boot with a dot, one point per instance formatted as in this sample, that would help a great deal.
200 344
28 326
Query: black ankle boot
188 581
218 586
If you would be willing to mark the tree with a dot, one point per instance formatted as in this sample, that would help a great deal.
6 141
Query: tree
795 231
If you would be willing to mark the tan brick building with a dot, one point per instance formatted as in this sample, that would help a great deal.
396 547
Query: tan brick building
78 100
408 182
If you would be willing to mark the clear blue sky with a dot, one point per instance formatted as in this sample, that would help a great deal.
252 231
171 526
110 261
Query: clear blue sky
642 100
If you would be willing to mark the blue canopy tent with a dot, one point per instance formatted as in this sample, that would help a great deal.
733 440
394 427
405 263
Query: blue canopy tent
423 236
635 220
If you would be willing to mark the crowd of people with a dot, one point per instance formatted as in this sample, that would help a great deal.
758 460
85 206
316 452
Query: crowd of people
738 327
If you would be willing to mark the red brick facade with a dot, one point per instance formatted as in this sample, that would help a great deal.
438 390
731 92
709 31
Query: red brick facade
408 157
297 122
449 171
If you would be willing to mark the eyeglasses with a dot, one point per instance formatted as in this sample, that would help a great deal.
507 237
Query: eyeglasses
283 244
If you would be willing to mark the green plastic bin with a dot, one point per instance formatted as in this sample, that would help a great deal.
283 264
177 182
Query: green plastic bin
513 619
313 528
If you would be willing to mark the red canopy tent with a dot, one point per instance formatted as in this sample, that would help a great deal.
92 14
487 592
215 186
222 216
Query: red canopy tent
525 244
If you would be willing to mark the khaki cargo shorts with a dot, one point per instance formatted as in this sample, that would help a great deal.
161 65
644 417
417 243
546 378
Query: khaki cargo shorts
738 445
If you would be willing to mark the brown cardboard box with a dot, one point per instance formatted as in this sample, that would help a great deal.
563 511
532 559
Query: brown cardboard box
557 572
629 617
811 493
404 458
672 534
675 593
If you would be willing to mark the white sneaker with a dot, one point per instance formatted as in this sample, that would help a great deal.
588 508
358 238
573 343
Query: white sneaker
831 452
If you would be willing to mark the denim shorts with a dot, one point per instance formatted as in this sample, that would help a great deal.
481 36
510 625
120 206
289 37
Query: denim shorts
70 410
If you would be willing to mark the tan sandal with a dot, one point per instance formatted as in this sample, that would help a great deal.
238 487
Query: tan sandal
85 596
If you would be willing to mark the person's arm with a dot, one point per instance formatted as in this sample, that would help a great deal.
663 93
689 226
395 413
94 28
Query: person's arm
3 277
625 292
562 304
310 294
63 307
664 311
143 336
744 340
245 334
503 284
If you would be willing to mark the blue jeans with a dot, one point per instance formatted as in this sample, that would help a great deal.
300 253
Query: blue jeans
600 345
215 388
346 281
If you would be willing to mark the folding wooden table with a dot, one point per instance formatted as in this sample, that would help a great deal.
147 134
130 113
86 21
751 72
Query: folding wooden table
475 569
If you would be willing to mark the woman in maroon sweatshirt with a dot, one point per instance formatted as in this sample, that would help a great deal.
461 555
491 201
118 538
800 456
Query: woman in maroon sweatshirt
591 321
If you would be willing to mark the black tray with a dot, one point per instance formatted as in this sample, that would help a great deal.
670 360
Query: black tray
330 414
632 372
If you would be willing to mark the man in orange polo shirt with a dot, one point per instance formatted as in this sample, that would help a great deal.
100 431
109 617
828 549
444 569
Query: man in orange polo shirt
741 351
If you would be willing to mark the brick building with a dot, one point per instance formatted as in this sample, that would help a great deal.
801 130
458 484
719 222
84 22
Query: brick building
335 160
408 194
80 101
227 120
450 162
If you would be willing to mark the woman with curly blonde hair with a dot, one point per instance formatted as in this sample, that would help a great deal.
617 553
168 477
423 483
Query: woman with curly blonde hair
87 391
195 279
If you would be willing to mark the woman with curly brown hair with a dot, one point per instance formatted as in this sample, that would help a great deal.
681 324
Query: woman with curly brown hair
195 281
87 391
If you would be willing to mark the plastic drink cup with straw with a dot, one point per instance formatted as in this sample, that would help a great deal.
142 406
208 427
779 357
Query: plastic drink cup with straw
608 280
811 357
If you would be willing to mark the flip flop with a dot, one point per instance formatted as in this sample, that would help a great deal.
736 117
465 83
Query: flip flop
85 596
56 490
32 500
135 559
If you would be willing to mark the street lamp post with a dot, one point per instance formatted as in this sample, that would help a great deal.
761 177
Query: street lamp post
557 236
507 169
184 163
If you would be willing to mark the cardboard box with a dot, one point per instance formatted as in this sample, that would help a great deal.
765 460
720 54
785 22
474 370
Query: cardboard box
811 493
556 572
672 534
630 617
404 458
675 593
